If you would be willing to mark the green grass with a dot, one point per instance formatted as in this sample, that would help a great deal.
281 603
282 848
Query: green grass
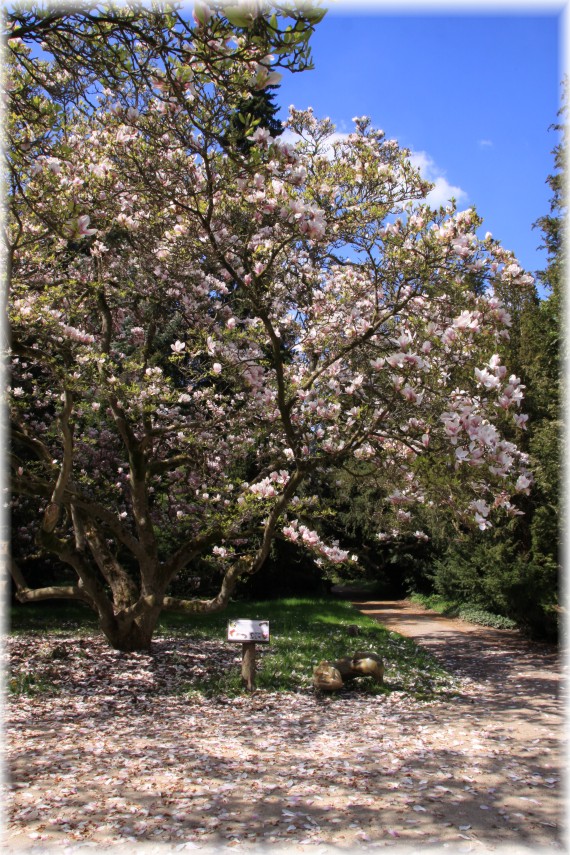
53 616
304 631
28 683
467 611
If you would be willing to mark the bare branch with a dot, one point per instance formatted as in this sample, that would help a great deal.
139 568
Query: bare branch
216 604
24 594
64 592
123 587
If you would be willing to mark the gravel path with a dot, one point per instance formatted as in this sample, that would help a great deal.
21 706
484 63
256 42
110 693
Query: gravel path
117 761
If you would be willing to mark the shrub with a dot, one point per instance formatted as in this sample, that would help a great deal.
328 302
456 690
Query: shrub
494 577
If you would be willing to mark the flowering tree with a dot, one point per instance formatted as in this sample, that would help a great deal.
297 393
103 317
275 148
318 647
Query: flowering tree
198 331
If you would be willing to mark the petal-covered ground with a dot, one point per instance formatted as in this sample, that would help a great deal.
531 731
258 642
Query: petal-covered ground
115 758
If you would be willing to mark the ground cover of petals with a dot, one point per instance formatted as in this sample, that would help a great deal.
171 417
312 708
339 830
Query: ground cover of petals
118 758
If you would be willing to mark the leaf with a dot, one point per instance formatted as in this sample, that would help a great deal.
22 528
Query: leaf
237 16
315 15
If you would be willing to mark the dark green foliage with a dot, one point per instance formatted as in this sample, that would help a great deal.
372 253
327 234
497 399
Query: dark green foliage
257 111
552 225
289 570
354 497
490 572
30 684
466 611
44 571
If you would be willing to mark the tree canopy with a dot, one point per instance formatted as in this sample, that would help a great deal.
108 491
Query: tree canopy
199 330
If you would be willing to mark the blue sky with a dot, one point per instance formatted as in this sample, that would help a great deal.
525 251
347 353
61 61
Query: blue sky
472 94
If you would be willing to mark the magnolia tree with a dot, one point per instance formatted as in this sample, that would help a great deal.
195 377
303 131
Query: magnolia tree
197 332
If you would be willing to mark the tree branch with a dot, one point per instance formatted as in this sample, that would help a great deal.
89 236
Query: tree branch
64 592
123 587
24 594
53 509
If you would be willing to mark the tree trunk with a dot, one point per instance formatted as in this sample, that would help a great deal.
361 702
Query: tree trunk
135 634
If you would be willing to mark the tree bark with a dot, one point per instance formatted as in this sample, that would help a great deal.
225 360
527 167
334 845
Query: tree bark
131 635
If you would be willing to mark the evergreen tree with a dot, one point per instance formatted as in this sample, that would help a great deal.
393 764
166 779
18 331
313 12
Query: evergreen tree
259 110
544 365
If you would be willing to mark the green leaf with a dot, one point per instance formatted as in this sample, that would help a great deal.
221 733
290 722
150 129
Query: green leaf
237 16
313 16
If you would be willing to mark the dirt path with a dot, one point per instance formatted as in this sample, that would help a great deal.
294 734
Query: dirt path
519 681
119 762
517 684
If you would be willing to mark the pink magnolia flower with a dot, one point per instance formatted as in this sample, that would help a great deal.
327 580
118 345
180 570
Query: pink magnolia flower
481 507
521 420
82 225
77 335
466 320
79 227
261 136
523 484
311 538
449 336
201 14
489 381
411 395
494 361
395 360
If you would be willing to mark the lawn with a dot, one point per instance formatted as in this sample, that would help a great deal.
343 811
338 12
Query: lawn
304 631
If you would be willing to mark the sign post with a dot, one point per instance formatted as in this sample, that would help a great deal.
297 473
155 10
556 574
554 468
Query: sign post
248 633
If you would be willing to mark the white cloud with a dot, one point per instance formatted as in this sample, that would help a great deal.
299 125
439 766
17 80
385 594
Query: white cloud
442 191
485 143
289 136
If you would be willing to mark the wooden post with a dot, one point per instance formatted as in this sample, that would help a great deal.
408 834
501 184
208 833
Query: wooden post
247 632
248 665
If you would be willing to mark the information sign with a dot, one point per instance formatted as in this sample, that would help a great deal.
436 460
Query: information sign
248 630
